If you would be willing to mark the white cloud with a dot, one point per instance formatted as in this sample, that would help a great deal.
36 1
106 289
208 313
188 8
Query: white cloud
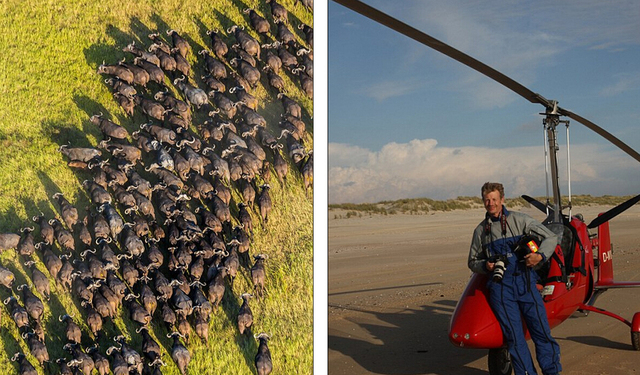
342 155
420 168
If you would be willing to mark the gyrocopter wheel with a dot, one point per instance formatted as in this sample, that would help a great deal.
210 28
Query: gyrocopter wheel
500 362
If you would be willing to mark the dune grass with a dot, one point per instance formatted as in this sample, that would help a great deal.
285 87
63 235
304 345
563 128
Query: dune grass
420 206
49 89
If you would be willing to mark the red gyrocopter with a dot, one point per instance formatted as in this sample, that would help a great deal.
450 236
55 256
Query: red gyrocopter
582 266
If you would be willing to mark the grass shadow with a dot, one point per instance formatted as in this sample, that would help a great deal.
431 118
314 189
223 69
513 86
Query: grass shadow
202 32
226 23
231 306
62 134
140 32
121 39
11 346
52 188
91 107
33 209
99 53
161 27
8 222
55 338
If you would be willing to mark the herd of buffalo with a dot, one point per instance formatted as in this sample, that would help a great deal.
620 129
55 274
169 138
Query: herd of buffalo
173 204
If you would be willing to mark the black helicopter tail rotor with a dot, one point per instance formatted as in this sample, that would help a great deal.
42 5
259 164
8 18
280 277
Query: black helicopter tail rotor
617 210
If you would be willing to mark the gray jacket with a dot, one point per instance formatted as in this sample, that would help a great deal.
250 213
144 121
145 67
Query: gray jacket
490 240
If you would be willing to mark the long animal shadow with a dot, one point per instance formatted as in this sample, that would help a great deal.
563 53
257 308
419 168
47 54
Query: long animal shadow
162 27
32 208
206 39
62 134
8 221
202 31
226 23
259 8
121 40
92 107
396 353
55 338
97 53
11 347
231 306
52 188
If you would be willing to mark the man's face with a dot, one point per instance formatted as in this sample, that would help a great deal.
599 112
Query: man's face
493 203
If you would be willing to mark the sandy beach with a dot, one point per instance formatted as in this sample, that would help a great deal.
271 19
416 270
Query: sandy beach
394 282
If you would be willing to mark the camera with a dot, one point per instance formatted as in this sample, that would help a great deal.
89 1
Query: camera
499 267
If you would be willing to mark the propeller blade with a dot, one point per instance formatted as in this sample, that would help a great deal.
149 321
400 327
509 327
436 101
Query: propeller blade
537 204
605 134
469 61
444 48
617 210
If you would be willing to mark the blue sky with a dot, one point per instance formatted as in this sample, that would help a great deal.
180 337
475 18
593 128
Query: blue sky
405 121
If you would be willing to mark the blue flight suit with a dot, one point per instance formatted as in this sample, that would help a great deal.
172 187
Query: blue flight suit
516 296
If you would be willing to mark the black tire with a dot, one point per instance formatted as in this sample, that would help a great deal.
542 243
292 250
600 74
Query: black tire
635 340
500 362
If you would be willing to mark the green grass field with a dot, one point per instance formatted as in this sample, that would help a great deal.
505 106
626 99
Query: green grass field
49 89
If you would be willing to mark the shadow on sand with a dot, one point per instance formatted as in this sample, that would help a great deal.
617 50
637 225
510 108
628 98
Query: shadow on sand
412 341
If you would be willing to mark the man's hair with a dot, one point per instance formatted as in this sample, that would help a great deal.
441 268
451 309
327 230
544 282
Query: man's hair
488 187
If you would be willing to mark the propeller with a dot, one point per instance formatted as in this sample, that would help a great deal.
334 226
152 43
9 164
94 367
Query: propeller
419 36
537 204
617 210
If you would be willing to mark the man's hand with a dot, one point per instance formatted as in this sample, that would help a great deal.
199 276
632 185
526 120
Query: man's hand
490 266
532 259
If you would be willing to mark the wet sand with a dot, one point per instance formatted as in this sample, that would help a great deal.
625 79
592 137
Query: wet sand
394 282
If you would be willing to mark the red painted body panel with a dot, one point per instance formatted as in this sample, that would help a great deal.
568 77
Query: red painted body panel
473 323
605 268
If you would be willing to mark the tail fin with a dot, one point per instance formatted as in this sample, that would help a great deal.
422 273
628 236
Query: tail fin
605 256
605 262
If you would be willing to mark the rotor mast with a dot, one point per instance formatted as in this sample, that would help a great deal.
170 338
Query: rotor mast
551 122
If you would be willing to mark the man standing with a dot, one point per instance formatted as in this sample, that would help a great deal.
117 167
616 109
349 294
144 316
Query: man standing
515 295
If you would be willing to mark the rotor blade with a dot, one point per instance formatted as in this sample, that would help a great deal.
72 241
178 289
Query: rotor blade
608 136
444 48
419 36
617 210
537 204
